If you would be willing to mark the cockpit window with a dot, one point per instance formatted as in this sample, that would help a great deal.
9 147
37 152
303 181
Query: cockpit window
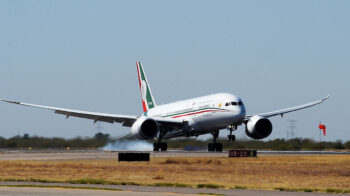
233 103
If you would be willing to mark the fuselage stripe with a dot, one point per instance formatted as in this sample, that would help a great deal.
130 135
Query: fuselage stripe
193 112
196 113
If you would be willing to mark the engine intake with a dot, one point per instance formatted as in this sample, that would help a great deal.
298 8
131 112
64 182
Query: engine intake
258 127
145 128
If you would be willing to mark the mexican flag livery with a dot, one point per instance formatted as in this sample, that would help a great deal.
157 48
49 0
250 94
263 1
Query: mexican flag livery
146 94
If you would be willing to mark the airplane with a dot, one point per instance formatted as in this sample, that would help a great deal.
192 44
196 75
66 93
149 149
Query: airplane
186 118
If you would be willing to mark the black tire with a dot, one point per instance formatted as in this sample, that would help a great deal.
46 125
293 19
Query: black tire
233 138
156 147
218 147
211 147
163 146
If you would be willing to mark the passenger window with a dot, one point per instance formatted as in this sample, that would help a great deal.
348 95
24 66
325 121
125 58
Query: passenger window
240 103
233 103
227 104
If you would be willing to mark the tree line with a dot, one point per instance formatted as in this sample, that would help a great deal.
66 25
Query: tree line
100 139
275 144
26 141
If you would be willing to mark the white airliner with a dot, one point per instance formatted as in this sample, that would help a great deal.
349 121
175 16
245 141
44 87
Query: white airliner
191 117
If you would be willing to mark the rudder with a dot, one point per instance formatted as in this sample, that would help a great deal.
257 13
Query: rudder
146 94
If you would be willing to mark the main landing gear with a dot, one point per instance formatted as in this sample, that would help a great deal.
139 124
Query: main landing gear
215 146
162 146
218 146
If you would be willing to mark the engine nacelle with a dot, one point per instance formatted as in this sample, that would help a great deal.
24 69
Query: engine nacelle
258 127
145 128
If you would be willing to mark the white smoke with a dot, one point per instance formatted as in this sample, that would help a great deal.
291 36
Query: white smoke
128 145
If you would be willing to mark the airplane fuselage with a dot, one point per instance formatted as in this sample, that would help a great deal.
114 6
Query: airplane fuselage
203 114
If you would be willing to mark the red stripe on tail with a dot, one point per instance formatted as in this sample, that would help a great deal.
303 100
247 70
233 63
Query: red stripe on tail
138 75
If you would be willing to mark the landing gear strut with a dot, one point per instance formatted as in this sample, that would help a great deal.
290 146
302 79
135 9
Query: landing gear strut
160 145
215 146
231 137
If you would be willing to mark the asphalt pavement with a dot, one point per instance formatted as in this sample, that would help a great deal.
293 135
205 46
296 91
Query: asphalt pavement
130 190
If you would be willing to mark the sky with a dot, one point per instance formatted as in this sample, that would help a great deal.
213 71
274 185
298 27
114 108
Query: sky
81 55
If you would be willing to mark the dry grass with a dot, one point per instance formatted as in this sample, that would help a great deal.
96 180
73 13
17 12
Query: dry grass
265 172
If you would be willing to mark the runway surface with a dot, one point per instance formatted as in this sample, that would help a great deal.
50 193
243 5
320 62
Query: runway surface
31 191
100 155
128 190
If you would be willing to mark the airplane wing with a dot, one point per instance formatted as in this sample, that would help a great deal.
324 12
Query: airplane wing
287 110
126 120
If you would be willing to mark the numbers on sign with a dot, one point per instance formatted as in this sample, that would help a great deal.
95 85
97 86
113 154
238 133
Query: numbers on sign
242 153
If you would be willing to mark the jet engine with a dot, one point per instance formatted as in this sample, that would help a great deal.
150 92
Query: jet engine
258 127
145 128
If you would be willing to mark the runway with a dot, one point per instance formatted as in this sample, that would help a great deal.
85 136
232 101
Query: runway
34 191
54 154
128 190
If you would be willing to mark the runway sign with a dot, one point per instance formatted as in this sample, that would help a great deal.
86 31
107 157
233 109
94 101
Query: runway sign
131 156
242 153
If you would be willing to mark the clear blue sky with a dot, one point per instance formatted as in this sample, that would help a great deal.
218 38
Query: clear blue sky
82 54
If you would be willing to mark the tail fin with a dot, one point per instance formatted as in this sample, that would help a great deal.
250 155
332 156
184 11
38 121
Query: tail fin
146 94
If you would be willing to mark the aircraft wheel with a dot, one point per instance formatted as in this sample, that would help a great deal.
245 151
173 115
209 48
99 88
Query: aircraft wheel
163 146
211 147
156 146
231 137
218 147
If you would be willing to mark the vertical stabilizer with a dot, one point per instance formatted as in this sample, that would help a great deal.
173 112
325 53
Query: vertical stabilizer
146 94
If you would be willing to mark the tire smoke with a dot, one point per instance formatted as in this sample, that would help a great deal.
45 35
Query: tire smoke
128 145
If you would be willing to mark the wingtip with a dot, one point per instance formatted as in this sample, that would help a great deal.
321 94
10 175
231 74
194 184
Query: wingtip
326 97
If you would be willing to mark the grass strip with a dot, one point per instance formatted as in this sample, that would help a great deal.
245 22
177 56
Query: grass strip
167 184
59 186
99 181
210 186
239 187
163 184
331 190
32 180
328 190
298 189
78 181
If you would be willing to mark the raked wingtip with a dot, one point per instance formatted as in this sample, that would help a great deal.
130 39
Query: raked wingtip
326 97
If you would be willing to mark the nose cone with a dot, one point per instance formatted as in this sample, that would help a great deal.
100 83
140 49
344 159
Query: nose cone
242 111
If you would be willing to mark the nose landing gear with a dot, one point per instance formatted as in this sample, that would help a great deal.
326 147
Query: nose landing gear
231 137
